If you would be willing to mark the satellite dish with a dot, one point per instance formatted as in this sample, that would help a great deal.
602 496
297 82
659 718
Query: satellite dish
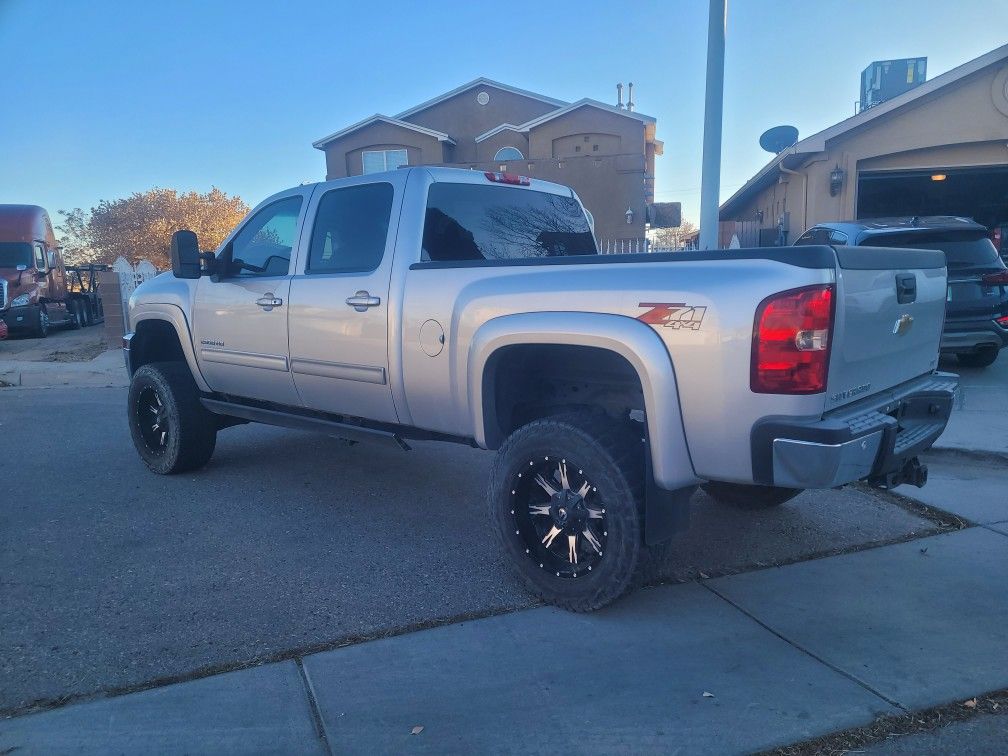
778 139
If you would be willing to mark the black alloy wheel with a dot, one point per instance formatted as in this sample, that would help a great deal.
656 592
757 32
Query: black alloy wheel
559 516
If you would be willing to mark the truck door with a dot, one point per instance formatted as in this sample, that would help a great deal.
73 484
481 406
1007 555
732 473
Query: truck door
240 320
339 317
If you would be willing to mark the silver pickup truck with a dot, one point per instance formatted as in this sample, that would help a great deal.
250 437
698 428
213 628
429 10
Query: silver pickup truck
432 303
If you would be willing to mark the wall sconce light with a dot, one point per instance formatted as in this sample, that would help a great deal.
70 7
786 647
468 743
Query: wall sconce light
938 177
836 180
629 216
759 216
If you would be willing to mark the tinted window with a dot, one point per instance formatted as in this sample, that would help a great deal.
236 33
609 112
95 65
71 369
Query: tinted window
350 229
962 250
837 238
263 246
473 222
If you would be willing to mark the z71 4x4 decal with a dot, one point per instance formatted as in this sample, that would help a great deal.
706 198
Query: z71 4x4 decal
671 315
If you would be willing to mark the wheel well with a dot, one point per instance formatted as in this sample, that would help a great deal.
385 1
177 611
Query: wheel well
155 341
524 382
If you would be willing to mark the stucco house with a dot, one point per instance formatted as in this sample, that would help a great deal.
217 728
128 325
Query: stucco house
940 148
605 152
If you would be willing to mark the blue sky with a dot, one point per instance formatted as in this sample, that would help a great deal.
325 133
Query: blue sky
99 99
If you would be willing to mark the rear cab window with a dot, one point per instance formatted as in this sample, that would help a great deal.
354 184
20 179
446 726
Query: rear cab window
963 249
473 222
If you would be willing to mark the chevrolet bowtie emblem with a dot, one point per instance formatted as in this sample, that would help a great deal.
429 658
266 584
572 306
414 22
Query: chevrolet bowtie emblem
902 325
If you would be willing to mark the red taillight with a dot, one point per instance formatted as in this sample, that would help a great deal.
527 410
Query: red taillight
508 178
1003 322
995 279
791 341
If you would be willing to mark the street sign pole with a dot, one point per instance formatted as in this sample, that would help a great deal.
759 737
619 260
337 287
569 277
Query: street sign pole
710 178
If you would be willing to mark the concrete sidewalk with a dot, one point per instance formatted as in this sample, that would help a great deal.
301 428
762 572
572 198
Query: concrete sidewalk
980 418
730 665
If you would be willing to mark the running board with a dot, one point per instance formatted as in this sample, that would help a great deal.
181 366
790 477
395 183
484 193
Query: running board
304 422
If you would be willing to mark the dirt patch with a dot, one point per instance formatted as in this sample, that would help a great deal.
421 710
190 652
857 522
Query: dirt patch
82 353
886 728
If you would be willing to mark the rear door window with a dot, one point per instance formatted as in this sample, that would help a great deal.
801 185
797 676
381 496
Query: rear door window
473 222
963 250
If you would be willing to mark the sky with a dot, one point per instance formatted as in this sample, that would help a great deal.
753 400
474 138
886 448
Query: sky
100 99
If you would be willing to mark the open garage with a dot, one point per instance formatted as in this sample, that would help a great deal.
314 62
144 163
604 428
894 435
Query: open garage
938 149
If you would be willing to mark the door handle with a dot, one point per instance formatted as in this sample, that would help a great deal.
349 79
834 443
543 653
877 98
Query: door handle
268 301
362 300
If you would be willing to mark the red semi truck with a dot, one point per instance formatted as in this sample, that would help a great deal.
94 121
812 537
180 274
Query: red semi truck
37 291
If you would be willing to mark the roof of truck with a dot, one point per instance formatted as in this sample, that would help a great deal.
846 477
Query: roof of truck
25 223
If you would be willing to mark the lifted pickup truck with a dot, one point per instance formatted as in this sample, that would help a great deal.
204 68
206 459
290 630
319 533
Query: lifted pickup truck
432 303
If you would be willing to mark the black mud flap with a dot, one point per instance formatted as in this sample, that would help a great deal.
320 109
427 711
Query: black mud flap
665 512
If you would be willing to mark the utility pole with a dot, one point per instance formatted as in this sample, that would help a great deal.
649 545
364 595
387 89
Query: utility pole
710 177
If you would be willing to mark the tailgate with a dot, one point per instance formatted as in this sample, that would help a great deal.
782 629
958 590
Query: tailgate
890 311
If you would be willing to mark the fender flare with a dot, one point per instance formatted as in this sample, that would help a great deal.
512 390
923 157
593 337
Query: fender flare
636 342
174 315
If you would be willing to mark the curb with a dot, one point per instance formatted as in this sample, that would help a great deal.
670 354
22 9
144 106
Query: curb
976 455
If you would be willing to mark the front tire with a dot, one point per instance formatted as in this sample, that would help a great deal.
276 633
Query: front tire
41 328
980 359
171 430
565 500
749 497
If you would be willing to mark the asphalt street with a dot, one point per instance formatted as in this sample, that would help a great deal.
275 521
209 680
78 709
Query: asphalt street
113 577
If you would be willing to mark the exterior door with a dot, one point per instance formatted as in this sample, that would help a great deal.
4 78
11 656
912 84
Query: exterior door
240 320
339 301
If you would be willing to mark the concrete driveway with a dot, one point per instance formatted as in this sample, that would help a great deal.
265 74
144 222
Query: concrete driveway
114 578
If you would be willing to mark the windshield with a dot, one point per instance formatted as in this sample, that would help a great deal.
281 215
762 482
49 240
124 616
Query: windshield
962 250
13 254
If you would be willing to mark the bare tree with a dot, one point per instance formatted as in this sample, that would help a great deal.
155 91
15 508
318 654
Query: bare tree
673 238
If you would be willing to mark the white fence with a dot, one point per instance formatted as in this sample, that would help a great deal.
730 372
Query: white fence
130 277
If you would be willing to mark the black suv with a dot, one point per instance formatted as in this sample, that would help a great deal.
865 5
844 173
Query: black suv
976 314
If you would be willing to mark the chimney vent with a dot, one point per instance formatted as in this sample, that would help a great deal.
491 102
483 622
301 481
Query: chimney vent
619 95
629 97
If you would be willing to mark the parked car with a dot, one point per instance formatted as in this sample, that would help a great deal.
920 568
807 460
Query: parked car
453 305
3 329
976 319
36 295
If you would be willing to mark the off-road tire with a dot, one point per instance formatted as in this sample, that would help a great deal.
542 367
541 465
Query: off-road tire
980 359
612 454
192 430
742 496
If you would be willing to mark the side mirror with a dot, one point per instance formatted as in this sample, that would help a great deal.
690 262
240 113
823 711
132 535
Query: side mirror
21 269
185 255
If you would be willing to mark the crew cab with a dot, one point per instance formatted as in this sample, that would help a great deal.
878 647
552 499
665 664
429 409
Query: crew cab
470 307
976 319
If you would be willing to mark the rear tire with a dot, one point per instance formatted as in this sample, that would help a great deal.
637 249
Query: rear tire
980 359
749 497
605 460
171 430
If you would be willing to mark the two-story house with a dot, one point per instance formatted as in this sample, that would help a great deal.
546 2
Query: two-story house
605 152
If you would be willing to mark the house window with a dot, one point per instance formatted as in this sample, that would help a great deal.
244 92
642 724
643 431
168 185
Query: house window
509 153
376 161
